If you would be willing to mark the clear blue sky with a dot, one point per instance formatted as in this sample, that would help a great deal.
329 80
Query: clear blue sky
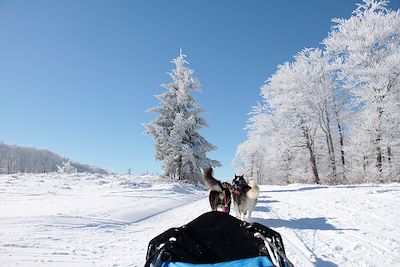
77 76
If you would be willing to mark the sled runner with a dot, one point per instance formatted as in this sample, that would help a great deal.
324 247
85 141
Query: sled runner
216 239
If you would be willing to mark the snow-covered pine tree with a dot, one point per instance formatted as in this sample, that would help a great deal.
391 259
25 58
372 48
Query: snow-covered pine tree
177 140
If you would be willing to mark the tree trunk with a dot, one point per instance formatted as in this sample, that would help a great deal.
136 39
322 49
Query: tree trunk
313 162
324 122
341 140
378 139
378 157
330 143
180 169
365 163
341 134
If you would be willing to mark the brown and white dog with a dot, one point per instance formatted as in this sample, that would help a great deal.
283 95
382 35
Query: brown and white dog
220 195
244 196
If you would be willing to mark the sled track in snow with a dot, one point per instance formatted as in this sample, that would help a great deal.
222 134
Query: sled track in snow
299 240
345 211
363 240
382 249
165 211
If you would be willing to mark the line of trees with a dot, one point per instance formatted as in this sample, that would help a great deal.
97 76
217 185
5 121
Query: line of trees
333 114
15 159
177 140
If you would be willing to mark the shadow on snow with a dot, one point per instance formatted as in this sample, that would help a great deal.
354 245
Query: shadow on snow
322 263
319 223
306 188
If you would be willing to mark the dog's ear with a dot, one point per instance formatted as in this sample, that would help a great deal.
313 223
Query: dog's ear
234 179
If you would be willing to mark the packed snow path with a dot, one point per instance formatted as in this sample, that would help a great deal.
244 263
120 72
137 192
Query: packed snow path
79 220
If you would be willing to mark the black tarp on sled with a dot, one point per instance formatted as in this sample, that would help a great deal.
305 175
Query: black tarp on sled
217 238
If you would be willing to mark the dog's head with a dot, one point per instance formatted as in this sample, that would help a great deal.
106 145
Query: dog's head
238 180
239 184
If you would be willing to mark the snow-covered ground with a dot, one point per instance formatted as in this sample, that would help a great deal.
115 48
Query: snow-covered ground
97 220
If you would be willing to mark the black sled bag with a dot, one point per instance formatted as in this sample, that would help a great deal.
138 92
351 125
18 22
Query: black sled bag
216 239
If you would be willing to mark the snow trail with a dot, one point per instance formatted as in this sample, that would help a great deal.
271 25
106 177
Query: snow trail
108 221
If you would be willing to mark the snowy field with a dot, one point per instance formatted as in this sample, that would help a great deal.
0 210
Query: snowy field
97 220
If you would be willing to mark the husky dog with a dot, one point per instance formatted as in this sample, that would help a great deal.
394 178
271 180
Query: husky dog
220 195
244 196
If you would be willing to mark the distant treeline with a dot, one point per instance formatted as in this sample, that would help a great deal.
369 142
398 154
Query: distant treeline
14 159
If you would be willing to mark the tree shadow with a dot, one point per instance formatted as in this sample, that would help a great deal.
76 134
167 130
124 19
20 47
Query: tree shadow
306 188
265 200
262 208
355 186
319 223
379 191
323 263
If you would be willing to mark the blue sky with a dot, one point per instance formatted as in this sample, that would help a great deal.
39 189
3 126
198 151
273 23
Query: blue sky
76 77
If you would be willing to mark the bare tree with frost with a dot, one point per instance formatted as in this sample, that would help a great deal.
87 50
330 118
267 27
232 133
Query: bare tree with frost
332 114
367 47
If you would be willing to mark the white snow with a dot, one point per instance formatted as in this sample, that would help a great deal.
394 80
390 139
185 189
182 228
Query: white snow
97 220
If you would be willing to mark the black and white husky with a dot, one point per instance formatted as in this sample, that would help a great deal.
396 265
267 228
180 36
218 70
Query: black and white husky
244 196
220 195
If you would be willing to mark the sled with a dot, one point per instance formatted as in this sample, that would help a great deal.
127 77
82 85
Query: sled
216 239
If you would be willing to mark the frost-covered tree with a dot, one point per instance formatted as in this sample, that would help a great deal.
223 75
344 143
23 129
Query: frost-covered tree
177 140
264 155
67 167
287 93
285 127
332 114
250 158
367 45
296 135
328 102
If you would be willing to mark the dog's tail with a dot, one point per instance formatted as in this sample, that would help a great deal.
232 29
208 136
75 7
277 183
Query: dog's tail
254 191
210 181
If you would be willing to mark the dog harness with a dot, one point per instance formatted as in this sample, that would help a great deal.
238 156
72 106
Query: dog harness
225 208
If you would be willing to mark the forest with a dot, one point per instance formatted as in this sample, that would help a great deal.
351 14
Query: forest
332 115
